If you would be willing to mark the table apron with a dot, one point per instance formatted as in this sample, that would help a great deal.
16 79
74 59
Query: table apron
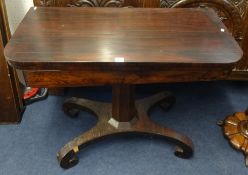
93 78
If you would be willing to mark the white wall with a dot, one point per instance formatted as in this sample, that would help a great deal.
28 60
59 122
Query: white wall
16 10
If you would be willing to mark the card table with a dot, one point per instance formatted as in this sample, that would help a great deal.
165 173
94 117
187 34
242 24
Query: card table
121 47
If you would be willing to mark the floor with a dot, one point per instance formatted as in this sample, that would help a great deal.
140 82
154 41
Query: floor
30 148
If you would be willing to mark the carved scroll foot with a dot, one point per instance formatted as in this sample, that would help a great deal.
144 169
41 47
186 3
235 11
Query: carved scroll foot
69 160
168 101
67 155
72 106
107 126
184 145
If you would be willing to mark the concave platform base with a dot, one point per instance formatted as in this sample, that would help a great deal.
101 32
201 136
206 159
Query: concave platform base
108 125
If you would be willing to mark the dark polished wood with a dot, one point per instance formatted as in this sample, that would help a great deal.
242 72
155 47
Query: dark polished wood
9 113
11 105
123 110
136 35
4 24
107 125
140 75
120 47
233 13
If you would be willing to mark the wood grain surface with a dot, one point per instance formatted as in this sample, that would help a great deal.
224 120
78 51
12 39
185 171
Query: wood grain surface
66 35
53 46
9 111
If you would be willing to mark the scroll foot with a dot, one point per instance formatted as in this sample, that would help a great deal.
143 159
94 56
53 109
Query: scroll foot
167 102
69 160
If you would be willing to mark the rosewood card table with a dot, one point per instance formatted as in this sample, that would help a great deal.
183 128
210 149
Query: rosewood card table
68 47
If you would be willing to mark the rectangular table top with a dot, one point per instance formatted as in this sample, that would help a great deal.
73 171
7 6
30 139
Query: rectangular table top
71 38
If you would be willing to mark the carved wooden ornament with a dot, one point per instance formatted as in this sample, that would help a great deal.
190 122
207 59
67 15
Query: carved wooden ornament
236 130
46 3
97 3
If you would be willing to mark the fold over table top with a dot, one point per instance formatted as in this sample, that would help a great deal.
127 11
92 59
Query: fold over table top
77 38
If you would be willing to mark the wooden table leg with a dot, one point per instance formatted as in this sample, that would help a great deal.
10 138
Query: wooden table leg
124 115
